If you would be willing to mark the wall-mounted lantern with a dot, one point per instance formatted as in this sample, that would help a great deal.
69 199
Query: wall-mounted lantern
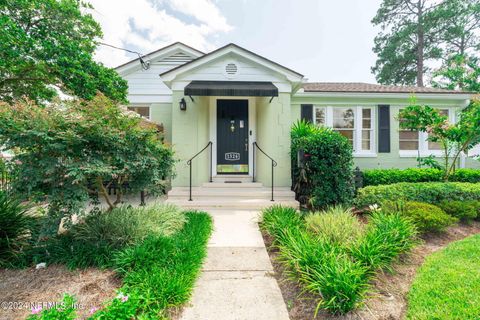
183 104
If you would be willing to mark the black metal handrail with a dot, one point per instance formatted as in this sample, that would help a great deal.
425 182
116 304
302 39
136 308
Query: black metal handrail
274 163
189 162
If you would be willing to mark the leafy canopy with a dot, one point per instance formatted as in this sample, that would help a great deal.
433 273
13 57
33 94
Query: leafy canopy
47 45
69 151
416 34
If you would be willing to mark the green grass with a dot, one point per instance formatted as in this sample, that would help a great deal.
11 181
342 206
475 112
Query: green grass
158 272
95 242
161 271
447 286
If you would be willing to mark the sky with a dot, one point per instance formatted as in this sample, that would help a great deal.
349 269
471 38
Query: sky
326 40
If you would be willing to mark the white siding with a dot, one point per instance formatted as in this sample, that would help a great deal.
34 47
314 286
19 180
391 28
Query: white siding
146 86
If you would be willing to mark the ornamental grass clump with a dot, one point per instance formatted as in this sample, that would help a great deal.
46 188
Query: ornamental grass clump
337 224
332 255
94 241
15 227
387 236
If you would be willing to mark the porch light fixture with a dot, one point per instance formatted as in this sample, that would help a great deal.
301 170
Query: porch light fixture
183 104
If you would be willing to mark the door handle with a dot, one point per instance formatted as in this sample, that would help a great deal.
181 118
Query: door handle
246 146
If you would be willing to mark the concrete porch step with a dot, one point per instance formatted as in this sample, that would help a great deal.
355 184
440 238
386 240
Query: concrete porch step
232 177
232 185
260 192
200 203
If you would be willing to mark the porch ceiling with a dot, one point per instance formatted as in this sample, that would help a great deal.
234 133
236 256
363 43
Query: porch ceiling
231 89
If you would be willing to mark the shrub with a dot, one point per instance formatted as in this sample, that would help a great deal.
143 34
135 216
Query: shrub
276 220
337 224
388 176
325 270
94 242
327 176
430 192
463 210
15 224
387 236
427 217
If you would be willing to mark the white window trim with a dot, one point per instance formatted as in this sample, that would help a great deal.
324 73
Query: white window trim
423 150
142 106
357 130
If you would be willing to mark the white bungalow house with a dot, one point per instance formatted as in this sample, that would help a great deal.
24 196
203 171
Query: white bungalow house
238 107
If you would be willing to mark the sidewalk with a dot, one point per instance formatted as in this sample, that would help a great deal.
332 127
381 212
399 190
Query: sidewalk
236 281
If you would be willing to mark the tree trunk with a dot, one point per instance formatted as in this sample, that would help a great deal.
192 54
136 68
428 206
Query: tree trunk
420 43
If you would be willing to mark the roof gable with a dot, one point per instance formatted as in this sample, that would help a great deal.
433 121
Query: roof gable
232 50
170 56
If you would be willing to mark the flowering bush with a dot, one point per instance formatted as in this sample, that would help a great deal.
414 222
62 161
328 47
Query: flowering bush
454 138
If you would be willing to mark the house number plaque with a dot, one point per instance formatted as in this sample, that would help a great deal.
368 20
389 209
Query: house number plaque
232 156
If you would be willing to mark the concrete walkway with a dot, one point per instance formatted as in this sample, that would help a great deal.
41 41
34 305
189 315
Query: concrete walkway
236 282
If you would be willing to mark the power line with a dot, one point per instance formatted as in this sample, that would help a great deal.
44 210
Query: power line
145 64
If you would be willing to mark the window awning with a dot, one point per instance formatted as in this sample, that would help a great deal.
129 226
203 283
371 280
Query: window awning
231 89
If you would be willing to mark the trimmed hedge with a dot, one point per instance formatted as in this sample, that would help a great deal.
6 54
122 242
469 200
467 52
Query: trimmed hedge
430 192
388 176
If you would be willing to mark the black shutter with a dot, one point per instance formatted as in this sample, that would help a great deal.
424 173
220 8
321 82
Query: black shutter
306 113
383 128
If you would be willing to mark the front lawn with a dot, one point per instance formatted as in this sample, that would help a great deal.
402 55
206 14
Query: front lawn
447 286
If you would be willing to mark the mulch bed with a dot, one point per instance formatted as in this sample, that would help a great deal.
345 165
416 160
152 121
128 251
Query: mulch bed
20 288
389 290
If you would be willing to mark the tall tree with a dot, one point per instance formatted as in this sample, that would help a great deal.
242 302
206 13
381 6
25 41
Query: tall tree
459 27
460 35
407 39
46 45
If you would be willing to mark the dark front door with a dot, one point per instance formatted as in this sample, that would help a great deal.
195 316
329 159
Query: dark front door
232 136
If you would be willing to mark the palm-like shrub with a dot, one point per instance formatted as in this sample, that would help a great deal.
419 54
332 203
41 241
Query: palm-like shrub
327 175
15 223
337 224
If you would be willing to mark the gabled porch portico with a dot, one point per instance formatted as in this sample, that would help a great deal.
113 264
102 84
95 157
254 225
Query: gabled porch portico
226 102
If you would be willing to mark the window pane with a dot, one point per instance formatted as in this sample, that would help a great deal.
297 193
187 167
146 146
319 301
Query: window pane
408 135
320 116
408 145
366 123
365 144
408 139
434 145
348 134
143 111
366 137
437 145
343 118
367 113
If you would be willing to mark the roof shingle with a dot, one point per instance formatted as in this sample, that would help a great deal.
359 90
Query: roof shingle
370 88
